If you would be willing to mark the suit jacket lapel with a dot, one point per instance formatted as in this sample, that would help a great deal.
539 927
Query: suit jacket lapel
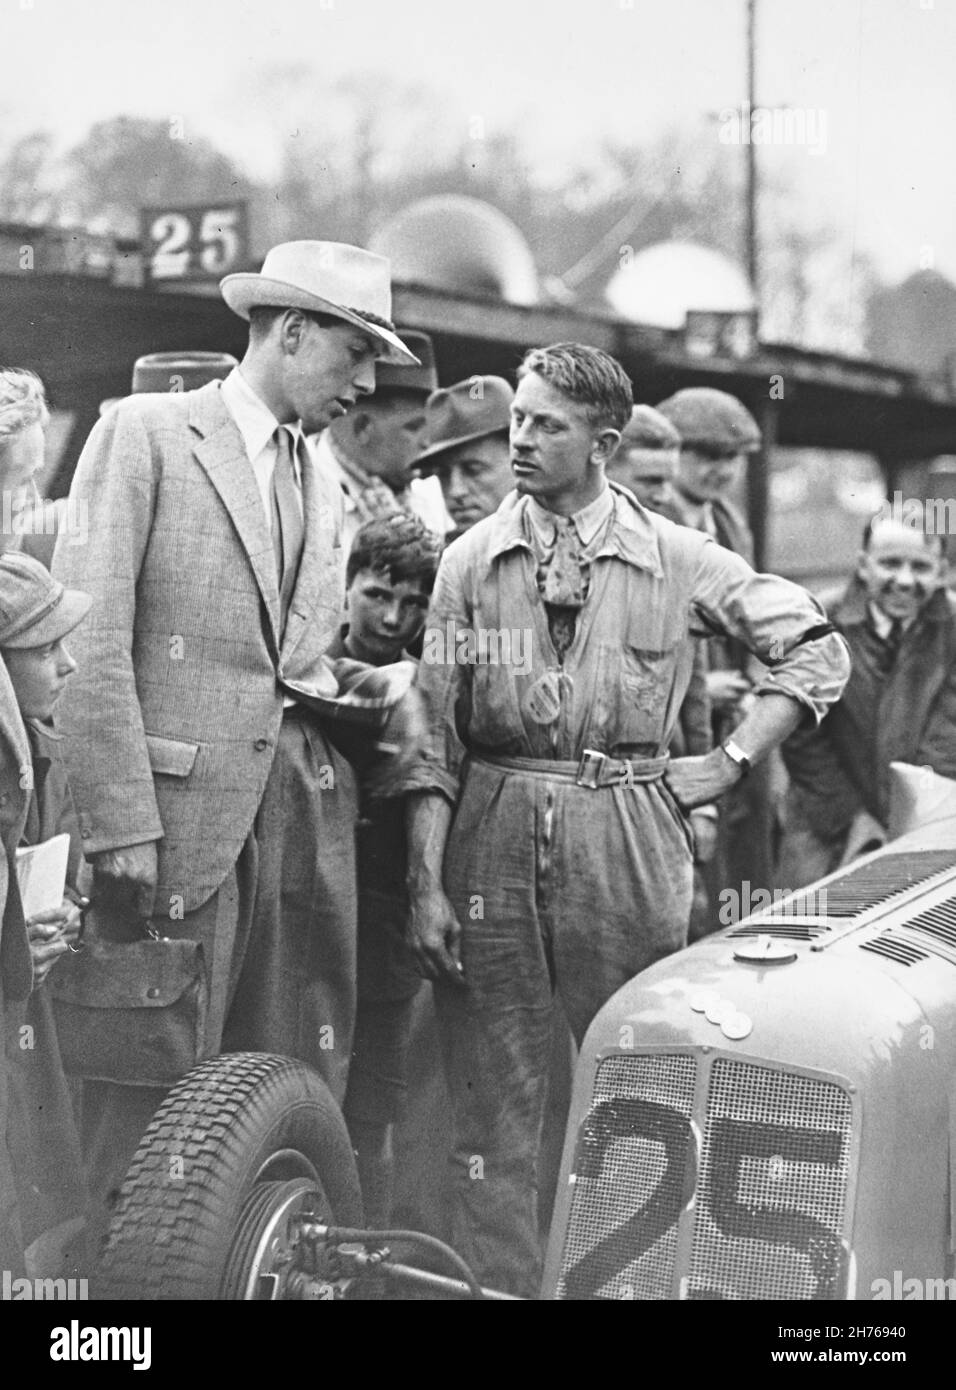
222 455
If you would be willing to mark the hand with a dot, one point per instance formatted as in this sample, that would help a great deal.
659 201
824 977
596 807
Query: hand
127 876
725 689
46 941
696 781
705 836
434 934
397 745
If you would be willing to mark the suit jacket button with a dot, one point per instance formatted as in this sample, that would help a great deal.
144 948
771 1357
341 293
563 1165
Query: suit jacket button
261 744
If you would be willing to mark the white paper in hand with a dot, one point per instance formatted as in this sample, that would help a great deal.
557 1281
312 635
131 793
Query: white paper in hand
41 874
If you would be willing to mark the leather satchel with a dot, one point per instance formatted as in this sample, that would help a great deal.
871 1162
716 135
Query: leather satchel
132 1012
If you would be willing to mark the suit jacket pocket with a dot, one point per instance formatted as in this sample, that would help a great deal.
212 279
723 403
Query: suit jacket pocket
173 756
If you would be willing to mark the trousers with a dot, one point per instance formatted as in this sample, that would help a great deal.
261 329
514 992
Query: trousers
559 889
279 944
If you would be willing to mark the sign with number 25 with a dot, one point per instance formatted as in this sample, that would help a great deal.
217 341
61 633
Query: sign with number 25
194 244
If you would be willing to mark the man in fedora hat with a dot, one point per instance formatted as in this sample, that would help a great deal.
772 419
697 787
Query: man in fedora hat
466 427
370 451
209 798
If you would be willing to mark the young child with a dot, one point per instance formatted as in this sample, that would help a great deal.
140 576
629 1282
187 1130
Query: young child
389 578
36 614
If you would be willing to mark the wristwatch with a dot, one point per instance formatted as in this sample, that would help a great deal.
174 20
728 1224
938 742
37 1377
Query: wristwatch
736 755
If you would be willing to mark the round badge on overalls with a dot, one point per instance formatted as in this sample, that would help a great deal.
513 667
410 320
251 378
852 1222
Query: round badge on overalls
542 702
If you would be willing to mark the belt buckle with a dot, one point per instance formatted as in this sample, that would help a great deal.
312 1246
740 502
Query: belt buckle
590 768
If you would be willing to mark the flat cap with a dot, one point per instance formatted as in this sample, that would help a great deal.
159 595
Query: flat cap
704 415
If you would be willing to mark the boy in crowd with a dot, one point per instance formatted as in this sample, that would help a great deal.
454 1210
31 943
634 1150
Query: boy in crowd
36 615
389 578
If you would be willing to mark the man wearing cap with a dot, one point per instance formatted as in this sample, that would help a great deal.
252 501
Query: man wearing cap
370 451
466 431
23 415
718 434
548 850
204 785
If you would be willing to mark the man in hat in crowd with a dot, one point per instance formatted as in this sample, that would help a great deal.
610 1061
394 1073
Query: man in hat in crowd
466 433
718 434
23 417
209 799
899 704
371 451
547 848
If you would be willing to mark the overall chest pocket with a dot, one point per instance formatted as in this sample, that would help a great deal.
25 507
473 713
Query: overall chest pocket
646 668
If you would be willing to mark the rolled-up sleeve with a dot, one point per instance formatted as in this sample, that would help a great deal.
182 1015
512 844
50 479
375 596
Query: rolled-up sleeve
445 686
773 618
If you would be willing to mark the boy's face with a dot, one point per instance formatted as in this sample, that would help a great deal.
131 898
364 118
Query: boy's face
384 617
901 569
38 676
649 473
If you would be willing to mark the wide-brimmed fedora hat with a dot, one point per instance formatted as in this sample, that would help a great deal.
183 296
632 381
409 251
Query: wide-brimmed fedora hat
469 410
324 277
35 608
423 378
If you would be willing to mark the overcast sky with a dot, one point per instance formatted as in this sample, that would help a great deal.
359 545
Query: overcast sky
881 72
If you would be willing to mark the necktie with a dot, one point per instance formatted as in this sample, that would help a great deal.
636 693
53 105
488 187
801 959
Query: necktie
563 586
288 529
892 643
563 580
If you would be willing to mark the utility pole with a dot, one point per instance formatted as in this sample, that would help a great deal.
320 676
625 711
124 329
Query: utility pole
753 260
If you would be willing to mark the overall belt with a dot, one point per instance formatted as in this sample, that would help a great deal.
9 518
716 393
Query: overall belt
593 770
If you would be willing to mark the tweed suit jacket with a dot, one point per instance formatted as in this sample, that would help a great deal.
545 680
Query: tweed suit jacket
173 718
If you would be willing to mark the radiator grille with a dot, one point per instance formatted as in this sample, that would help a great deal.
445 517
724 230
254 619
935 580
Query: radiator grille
772 1187
634 1149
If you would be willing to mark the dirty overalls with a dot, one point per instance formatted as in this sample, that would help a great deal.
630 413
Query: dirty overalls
569 862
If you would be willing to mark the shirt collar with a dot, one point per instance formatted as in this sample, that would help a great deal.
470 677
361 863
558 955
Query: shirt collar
882 624
587 522
632 535
254 420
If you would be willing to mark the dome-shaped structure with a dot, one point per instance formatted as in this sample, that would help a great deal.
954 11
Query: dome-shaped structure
461 245
662 283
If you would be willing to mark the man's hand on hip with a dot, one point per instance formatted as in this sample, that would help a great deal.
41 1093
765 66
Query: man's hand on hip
434 934
696 781
127 876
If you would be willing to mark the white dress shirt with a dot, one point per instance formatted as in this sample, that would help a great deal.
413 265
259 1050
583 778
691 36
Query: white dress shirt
257 425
